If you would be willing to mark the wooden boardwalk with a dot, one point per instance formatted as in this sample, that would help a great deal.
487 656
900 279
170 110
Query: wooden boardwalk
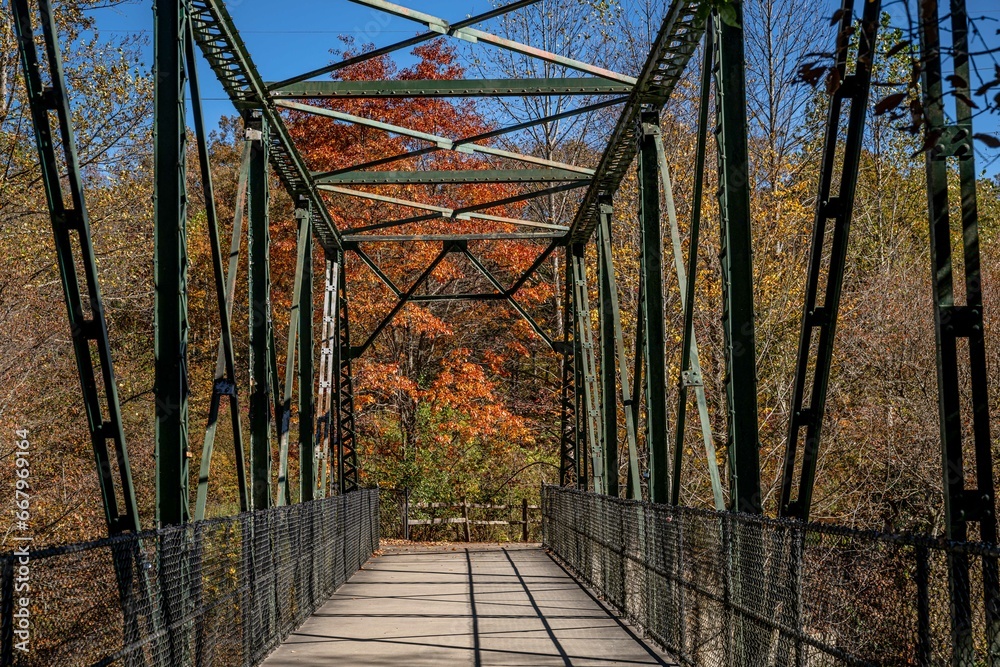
480 605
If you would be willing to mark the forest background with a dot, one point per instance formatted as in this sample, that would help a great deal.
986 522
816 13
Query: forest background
460 400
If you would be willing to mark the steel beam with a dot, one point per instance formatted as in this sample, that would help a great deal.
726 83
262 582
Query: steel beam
820 320
441 142
690 375
534 267
224 379
737 265
654 341
347 455
260 313
612 357
397 88
229 59
588 369
402 301
567 394
677 39
284 416
443 211
473 35
952 323
328 369
170 263
509 297
382 161
453 177
458 213
68 217
406 43
363 238
473 296
307 403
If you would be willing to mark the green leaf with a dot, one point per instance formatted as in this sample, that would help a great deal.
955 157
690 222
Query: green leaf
727 13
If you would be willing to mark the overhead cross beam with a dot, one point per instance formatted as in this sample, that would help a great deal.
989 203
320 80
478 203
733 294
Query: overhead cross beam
458 212
406 43
396 88
454 177
473 35
441 142
380 162
228 57
443 210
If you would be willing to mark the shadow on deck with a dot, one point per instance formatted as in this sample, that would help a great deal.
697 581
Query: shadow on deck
481 605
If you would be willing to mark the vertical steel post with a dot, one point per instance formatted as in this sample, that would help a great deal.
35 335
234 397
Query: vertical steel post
612 356
838 208
568 436
170 263
690 374
260 313
736 260
347 456
689 347
953 322
307 405
284 416
654 347
588 368
224 379
634 490
609 390
327 370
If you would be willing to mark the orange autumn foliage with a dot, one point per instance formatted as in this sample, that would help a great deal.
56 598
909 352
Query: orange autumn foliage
437 382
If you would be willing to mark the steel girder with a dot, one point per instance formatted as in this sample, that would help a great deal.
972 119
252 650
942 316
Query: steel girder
299 325
347 455
261 372
677 39
226 53
454 177
450 88
827 265
587 365
224 380
953 323
569 433
69 216
612 340
306 367
654 340
474 35
412 41
690 375
736 263
170 263
326 433
483 136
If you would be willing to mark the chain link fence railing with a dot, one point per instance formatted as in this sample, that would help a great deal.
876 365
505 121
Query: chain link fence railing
721 589
220 592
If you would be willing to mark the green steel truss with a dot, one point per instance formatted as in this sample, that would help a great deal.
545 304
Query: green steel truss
595 381
47 97
952 154
833 215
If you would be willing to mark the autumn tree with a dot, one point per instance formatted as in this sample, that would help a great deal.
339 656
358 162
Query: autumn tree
451 398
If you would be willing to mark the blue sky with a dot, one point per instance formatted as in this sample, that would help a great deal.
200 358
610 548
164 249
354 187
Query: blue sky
293 36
